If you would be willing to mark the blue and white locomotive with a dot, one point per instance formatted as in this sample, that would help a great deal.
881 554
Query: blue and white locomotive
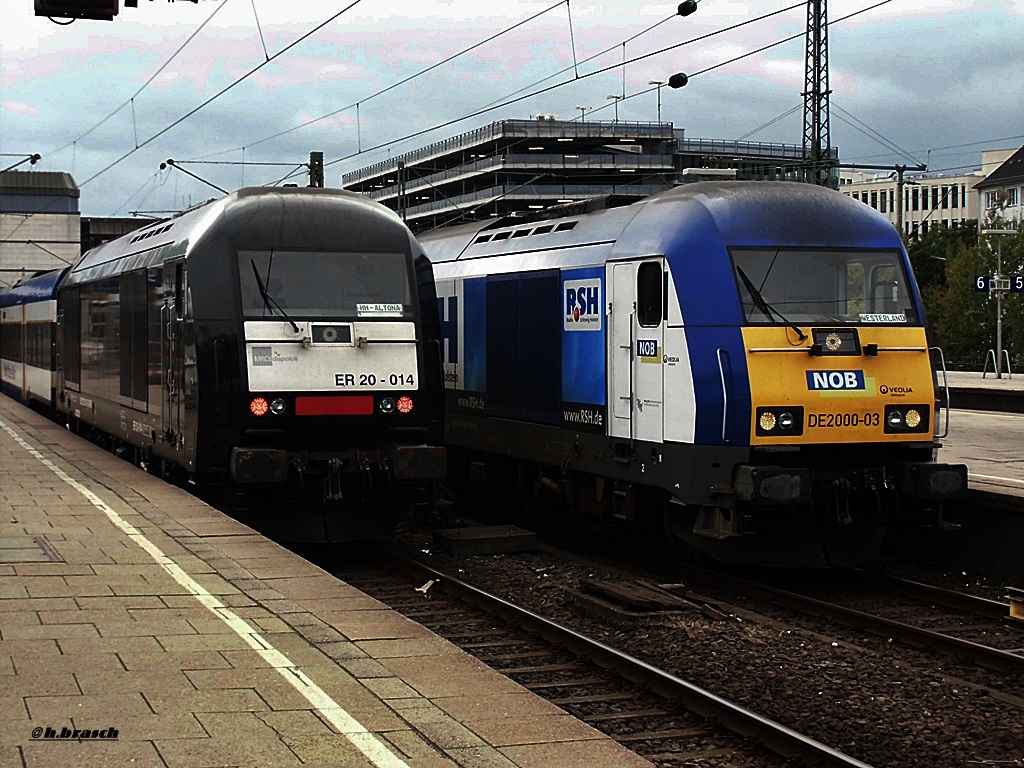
747 359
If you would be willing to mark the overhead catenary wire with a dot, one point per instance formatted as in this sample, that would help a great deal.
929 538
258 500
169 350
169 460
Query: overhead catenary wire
405 80
872 133
602 70
221 92
508 102
131 99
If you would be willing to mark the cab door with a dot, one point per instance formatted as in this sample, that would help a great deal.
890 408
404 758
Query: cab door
637 320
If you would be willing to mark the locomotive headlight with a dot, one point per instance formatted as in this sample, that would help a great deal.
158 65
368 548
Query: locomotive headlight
767 421
405 404
387 405
277 406
895 418
259 406
786 420
913 418
330 334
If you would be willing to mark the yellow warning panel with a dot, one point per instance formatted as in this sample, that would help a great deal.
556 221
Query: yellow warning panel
857 379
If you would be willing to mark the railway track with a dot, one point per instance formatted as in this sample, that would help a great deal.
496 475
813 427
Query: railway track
656 714
941 620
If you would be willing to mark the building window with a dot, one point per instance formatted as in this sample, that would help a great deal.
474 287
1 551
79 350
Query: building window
874 200
882 201
892 198
945 198
915 199
935 197
956 196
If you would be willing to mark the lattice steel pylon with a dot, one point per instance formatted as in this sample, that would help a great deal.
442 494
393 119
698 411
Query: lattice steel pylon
817 142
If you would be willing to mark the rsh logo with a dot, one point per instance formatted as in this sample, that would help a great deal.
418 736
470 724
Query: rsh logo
582 305
835 379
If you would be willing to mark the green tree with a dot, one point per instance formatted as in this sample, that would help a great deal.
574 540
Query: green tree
961 319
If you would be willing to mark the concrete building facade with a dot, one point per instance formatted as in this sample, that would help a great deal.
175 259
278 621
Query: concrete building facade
935 199
523 166
39 223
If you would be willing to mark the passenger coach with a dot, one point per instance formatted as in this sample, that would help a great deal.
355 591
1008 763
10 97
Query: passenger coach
747 358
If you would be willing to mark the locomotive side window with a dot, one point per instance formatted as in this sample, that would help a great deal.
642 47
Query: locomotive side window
346 285
649 293
809 286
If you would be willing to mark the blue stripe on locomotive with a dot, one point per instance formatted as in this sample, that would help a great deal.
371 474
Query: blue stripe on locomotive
474 334
583 351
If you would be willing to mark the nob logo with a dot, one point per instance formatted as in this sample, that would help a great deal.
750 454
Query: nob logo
582 304
835 380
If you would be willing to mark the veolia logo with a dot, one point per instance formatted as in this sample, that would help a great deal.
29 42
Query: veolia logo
835 380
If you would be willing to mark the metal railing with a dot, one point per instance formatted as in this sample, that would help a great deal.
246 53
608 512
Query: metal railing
527 162
512 129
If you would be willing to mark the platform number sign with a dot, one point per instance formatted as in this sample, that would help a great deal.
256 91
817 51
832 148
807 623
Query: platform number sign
985 284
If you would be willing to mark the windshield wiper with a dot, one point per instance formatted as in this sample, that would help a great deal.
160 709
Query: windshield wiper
267 299
769 311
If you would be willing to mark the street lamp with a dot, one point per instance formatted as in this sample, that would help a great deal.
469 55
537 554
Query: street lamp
658 83
583 113
999 289
617 99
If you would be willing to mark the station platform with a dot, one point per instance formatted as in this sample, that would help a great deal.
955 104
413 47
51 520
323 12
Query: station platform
168 634
992 446
973 390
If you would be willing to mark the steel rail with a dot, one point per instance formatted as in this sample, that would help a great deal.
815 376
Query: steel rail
982 606
991 658
773 736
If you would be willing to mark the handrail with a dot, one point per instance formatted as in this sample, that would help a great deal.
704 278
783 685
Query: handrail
725 393
991 354
945 388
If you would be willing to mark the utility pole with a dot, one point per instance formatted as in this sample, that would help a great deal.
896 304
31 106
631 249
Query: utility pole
658 83
1000 285
817 141
900 169
316 169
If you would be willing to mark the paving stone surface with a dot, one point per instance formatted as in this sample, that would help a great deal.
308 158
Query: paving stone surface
96 635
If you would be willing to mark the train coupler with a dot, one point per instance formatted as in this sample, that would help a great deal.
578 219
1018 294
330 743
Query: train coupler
332 482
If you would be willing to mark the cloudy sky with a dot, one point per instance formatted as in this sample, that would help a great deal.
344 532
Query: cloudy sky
928 81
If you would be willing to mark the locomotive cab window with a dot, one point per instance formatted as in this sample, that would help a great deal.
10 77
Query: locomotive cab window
649 292
822 287
346 285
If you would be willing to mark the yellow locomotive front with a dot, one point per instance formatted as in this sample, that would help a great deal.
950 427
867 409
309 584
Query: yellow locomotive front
844 411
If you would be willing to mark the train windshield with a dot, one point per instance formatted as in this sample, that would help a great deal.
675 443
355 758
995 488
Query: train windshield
325 284
814 287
